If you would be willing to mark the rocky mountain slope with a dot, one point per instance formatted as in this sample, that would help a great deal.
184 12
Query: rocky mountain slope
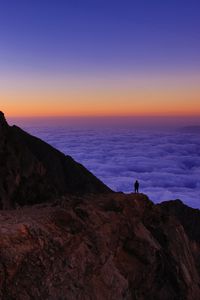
98 247
71 238
28 164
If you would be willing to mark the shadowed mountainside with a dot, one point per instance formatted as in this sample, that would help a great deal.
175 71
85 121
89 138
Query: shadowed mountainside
32 171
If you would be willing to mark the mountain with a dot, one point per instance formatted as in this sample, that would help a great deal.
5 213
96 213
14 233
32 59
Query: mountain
31 171
71 238
101 247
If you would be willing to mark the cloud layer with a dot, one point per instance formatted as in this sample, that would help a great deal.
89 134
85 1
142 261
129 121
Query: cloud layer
166 162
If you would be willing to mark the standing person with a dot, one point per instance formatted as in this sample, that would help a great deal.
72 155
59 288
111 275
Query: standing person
136 186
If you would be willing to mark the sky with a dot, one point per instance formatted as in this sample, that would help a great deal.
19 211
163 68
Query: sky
99 58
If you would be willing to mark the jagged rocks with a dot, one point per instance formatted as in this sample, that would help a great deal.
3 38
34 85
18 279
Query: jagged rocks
80 249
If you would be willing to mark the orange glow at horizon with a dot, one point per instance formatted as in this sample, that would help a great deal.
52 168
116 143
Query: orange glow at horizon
146 103
119 100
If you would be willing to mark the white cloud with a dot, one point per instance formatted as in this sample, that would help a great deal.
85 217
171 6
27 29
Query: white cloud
167 164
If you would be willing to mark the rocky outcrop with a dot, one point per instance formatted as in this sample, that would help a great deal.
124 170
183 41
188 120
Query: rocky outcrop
109 246
31 171
189 218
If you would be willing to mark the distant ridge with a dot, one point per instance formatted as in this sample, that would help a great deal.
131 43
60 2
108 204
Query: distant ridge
31 171
192 128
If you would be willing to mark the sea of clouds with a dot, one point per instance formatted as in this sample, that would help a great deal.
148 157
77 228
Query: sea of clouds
165 161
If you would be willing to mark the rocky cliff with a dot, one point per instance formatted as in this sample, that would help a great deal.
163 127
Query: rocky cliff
31 171
98 247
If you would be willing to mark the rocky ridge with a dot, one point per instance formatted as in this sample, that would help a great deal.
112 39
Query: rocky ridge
106 246
71 238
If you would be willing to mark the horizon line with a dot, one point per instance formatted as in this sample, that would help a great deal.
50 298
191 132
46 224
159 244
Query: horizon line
106 116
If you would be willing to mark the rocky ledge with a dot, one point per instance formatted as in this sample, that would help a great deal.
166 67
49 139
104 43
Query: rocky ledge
101 247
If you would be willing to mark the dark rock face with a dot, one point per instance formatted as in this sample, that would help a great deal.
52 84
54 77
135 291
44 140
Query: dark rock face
109 246
3 123
32 171
187 216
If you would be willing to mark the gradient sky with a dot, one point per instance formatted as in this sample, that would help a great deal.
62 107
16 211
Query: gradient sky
99 57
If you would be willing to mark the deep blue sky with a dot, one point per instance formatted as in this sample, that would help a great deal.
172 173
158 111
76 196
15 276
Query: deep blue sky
109 36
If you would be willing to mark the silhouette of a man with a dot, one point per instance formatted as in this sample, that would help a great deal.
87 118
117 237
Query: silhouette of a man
136 186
